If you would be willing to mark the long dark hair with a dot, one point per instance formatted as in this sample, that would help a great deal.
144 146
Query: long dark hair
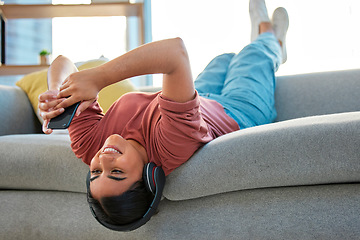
123 209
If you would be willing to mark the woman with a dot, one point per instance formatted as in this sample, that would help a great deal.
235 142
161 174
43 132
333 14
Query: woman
235 91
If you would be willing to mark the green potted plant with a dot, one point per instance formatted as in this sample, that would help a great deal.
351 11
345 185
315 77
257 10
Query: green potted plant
44 57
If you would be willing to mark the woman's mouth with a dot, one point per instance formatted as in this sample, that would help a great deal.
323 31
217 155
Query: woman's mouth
111 149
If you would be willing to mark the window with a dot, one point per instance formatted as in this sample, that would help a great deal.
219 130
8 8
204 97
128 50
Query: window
85 38
25 38
322 35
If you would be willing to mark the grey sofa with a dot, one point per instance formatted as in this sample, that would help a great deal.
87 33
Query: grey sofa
297 178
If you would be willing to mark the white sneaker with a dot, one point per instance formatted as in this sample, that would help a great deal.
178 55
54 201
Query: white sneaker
258 13
280 22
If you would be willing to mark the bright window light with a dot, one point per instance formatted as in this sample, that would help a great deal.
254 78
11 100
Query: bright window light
322 35
71 1
86 38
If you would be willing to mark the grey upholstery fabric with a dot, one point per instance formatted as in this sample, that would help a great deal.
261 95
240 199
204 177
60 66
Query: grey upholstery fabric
295 152
313 94
317 212
17 115
42 162
313 150
244 185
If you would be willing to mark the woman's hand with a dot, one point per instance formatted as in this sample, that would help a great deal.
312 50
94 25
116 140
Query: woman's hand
47 106
83 86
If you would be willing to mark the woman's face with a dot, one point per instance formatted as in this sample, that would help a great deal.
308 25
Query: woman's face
116 167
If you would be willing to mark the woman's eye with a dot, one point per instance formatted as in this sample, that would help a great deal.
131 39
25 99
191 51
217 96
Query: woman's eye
117 171
96 171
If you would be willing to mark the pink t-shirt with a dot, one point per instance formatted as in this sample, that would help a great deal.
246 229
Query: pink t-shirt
169 131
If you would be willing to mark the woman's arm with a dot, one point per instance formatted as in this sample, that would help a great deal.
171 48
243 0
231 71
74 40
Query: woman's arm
168 57
59 70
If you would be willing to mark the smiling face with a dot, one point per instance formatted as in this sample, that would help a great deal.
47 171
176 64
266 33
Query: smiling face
116 167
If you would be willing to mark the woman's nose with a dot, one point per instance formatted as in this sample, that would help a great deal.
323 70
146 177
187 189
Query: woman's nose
106 158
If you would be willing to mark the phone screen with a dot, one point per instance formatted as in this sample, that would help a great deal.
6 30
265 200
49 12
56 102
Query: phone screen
63 120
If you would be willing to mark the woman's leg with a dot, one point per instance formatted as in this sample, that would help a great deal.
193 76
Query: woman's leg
250 82
248 92
211 80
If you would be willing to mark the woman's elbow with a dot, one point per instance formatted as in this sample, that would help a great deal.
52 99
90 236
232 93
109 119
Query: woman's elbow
180 47
179 56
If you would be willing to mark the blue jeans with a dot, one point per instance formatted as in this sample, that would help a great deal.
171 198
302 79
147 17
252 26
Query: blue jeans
244 83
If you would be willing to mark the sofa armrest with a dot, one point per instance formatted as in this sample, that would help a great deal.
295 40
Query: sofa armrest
17 115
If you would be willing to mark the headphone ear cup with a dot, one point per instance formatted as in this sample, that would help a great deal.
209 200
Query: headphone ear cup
148 177
88 181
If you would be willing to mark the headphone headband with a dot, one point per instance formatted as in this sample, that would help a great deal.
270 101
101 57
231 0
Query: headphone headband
154 179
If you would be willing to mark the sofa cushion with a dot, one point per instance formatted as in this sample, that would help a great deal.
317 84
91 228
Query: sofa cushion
42 162
305 151
313 212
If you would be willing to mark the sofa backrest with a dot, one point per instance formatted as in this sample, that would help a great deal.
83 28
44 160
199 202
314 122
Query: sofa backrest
317 94
17 115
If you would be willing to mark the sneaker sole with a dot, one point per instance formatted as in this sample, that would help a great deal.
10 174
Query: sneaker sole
280 21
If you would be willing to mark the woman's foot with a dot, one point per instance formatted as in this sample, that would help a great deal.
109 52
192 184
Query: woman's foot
280 22
266 27
258 14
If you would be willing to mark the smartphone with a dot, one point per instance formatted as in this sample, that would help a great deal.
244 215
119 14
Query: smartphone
63 120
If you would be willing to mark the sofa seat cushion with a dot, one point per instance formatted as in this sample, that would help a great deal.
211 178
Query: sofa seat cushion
306 151
313 212
42 162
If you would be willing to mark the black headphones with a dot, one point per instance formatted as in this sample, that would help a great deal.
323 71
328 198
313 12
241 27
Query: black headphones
154 180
